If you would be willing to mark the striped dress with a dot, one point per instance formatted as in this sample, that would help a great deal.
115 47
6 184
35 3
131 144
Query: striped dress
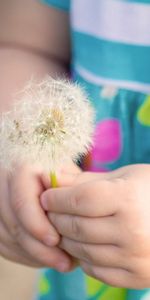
111 59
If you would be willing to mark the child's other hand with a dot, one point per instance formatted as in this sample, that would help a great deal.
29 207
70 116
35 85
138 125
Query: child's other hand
26 235
105 223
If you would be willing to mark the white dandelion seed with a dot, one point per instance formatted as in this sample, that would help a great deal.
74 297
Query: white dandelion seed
51 124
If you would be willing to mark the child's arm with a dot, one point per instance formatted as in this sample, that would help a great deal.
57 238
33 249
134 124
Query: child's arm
34 41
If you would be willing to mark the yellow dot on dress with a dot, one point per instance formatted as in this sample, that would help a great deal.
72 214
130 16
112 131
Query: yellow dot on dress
143 113
93 285
44 286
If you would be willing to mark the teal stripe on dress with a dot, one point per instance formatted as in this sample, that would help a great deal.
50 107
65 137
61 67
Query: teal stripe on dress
64 286
138 294
138 1
112 59
60 4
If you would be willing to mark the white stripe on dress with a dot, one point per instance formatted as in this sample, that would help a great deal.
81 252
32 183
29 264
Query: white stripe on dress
101 81
113 20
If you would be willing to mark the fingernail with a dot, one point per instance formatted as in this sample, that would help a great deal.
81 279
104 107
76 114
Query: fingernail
44 202
51 240
63 267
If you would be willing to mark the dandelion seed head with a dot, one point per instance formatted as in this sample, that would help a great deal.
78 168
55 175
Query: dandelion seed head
51 123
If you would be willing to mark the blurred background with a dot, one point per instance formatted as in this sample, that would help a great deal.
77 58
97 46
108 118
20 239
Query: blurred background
16 282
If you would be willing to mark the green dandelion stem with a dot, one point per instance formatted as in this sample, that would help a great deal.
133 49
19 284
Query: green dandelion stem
53 180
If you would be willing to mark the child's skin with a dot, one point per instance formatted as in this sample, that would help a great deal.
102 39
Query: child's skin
104 220
34 41
105 212
26 235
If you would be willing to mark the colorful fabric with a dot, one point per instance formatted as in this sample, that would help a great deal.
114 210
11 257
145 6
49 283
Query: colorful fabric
123 121
111 60
75 286
110 41
60 4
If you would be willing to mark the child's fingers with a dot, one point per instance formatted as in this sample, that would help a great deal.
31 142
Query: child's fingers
100 255
116 277
52 257
88 230
12 255
96 198
34 220
10 248
73 175
25 188
26 249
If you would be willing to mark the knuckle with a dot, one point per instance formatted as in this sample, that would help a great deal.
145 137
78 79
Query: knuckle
86 253
78 197
75 227
75 203
16 233
17 203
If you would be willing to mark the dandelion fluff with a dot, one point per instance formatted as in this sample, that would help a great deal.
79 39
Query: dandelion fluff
50 124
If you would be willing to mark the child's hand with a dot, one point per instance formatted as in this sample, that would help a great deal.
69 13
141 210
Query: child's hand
105 223
26 235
